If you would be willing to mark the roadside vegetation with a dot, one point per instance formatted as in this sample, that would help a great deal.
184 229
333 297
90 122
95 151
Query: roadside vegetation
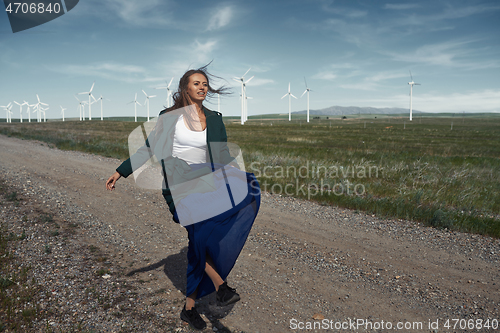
17 291
442 171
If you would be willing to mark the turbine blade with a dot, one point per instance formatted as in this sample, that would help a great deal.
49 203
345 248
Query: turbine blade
92 87
305 81
284 96
293 96
249 79
303 93
145 93
172 79
246 72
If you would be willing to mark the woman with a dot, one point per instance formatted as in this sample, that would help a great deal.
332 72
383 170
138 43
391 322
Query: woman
188 140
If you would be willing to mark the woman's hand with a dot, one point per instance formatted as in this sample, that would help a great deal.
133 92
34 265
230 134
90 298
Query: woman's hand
110 183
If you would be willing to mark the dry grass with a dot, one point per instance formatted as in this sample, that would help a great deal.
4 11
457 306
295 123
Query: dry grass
421 170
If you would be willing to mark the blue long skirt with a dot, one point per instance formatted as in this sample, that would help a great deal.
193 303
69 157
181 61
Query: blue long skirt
222 238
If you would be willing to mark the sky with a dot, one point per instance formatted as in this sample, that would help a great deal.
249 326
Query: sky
351 53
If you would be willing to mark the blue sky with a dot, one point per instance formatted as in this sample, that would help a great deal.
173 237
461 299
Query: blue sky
352 53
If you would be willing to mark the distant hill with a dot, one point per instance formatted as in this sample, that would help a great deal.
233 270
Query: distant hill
344 110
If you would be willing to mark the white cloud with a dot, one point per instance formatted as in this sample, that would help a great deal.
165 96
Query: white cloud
206 47
401 6
472 101
461 54
108 70
343 11
382 76
366 85
325 75
220 18
140 13
187 56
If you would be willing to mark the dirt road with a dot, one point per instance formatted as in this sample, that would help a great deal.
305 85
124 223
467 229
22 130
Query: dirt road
303 262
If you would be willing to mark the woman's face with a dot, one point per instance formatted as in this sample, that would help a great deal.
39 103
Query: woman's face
197 87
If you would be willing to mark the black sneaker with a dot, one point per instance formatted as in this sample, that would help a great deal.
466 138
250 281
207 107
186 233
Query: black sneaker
193 318
226 295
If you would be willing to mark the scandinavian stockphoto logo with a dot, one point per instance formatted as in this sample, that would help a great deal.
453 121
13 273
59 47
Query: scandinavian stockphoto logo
199 190
28 14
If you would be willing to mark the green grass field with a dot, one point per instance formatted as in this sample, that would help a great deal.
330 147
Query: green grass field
442 171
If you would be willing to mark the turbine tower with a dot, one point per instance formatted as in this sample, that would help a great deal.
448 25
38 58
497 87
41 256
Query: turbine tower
80 108
411 94
147 100
90 103
20 111
306 91
6 108
62 111
135 106
243 83
44 116
101 98
38 109
245 109
9 113
28 111
290 95
169 92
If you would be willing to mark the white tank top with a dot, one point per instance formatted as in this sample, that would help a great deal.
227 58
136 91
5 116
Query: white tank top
190 146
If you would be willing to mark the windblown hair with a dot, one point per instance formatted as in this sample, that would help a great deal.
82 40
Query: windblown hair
181 98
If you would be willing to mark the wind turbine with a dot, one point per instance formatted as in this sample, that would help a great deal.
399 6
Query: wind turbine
81 108
62 111
101 98
90 103
245 112
169 92
411 93
20 111
135 106
37 107
306 91
9 113
147 100
243 83
6 108
43 110
290 95
28 111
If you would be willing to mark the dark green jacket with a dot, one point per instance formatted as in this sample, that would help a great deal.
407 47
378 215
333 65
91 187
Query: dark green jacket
160 145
